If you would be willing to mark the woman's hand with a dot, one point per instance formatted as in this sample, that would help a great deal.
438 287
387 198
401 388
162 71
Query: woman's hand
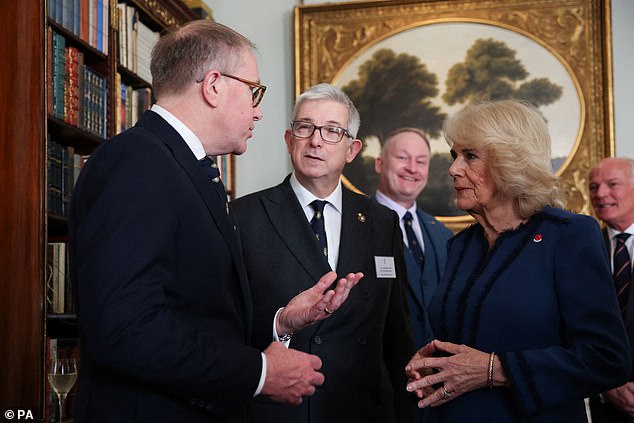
415 372
437 380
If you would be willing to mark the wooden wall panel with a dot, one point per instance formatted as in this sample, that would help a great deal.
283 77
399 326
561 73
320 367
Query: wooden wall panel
21 204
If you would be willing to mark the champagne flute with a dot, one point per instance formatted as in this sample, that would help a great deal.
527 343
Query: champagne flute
62 377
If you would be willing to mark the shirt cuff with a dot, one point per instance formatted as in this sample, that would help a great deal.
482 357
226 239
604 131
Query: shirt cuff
276 337
262 376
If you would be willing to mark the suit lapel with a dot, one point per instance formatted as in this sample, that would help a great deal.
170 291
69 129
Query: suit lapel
414 278
414 275
289 221
431 241
628 319
432 266
186 160
355 234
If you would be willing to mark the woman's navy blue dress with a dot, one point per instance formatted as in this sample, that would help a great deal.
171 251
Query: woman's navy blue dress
542 298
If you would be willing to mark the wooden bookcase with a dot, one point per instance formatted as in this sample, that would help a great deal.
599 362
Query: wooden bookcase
25 224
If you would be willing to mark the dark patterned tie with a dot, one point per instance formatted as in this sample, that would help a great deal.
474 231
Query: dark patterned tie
622 270
211 169
412 241
317 223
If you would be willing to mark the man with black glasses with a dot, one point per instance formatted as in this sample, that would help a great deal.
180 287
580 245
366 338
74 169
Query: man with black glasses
163 302
307 226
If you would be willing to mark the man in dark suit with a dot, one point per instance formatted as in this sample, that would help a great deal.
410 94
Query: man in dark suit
164 305
404 167
308 225
611 184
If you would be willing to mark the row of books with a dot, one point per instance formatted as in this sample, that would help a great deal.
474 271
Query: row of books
77 93
86 19
63 167
131 101
59 295
136 41
58 348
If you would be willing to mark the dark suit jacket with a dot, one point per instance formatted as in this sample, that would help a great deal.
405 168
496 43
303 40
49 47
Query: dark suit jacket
605 412
164 304
365 345
422 285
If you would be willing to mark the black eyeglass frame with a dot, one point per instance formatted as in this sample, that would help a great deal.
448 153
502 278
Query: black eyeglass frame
257 92
316 127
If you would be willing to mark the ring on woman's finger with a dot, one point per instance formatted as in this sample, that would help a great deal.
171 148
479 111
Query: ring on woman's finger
327 311
445 393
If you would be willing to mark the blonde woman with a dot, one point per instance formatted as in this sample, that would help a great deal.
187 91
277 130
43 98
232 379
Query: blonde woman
525 316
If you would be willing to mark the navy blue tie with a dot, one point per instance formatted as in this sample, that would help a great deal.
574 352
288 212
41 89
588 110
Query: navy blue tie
317 223
622 270
412 241
211 169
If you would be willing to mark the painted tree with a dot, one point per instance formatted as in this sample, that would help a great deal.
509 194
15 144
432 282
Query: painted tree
491 71
392 91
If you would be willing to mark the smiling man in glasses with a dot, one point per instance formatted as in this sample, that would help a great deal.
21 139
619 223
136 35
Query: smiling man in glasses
163 300
309 225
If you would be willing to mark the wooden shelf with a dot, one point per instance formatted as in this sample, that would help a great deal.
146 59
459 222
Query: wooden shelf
62 325
68 135
24 222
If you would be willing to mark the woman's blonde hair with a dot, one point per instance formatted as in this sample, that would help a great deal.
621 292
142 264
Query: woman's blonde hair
516 139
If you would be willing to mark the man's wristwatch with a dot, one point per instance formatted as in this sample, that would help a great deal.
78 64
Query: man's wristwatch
286 338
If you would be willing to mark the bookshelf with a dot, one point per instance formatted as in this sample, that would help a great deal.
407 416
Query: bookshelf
31 123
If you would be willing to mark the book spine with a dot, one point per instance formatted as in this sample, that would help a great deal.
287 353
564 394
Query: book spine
99 26
49 69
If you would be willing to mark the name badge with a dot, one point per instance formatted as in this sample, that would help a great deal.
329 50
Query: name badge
385 267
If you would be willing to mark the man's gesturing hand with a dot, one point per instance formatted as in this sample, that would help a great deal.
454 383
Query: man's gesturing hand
316 303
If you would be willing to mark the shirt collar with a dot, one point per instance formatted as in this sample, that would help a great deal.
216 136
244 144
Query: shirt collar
190 138
306 197
388 202
614 232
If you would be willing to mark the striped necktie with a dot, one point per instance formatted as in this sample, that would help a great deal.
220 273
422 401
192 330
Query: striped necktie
622 270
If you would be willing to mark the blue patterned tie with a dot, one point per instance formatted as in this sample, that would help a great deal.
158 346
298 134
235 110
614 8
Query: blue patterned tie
622 270
412 241
211 169
317 223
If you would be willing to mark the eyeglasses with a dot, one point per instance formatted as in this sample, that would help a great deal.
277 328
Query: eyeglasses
329 133
257 90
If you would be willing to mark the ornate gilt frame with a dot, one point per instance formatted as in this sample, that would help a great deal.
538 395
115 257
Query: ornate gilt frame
329 36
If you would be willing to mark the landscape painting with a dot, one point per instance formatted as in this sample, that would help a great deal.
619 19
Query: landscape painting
413 63
418 77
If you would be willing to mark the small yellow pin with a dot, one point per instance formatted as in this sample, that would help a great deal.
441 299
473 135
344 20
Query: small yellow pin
361 217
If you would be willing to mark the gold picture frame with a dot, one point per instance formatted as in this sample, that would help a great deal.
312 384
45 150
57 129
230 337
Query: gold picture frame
329 38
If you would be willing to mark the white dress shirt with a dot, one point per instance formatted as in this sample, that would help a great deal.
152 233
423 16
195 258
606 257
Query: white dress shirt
190 138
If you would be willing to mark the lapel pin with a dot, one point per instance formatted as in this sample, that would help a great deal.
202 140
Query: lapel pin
361 217
537 238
